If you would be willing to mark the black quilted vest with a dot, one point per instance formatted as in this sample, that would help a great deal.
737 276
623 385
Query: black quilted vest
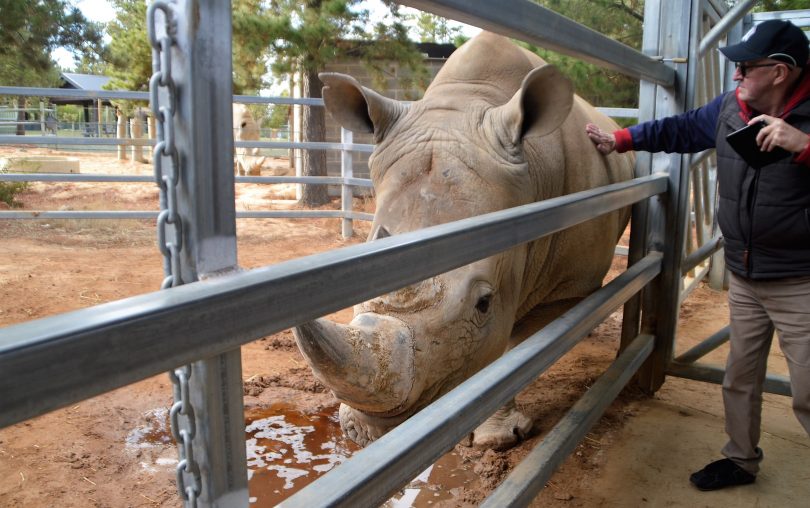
764 214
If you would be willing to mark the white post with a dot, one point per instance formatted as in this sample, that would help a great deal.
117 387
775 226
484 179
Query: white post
296 127
136 132
121 134
99 106
151 132
346 172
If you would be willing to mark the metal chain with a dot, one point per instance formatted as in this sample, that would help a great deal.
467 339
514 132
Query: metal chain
166 160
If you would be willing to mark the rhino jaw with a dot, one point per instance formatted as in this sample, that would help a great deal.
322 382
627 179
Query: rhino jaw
368 364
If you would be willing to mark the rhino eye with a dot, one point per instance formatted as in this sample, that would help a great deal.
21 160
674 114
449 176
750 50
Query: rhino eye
482 305
244 124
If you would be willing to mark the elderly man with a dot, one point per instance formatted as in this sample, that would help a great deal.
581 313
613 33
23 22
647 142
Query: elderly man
764 215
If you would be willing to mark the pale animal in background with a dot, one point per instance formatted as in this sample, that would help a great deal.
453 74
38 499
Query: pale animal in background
247 160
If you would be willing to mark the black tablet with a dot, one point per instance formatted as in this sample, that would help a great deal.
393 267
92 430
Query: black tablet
744 142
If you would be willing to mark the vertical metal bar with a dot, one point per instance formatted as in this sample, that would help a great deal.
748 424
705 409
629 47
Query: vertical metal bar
202 72
717 267
639 221
678 21
697 205
346 171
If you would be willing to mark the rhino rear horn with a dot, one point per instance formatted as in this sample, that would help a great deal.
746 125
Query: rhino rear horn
358 108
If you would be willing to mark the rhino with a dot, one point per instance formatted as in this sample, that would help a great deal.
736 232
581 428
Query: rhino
245 128
497 128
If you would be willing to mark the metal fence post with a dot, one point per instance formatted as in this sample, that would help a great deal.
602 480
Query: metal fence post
206 202
676 25
346 172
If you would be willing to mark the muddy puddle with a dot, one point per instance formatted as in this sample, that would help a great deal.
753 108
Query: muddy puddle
288 449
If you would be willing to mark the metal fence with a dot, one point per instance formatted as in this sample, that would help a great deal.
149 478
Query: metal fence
205 320
346 182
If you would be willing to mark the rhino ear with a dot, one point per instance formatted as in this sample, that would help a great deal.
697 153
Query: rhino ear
358 108
540 106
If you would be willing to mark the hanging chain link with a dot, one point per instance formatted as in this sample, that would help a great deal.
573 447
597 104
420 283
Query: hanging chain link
166 160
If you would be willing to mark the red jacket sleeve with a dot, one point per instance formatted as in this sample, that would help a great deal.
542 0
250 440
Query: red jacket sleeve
624 141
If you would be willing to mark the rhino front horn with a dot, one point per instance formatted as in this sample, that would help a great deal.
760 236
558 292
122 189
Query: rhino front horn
368 364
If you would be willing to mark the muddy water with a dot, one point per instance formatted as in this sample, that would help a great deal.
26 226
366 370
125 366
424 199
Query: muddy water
287 450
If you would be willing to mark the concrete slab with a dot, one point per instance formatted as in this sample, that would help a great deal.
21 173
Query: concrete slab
681 430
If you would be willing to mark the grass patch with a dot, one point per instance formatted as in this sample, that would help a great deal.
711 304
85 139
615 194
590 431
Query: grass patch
8 190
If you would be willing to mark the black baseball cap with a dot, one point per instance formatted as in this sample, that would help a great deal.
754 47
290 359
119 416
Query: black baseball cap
776 39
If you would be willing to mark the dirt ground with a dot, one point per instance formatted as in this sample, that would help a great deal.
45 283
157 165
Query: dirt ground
115 450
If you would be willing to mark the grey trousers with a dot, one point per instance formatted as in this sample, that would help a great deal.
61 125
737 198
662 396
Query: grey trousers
758 307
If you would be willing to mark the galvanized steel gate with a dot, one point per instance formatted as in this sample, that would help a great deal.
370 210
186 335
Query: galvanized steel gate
53 362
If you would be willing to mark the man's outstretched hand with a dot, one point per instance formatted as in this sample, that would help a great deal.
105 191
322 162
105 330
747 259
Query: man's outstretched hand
604 141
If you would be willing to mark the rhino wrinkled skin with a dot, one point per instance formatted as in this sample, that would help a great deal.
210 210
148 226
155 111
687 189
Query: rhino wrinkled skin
497 128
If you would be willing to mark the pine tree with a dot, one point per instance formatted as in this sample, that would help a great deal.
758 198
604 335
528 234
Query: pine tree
29 31
304 36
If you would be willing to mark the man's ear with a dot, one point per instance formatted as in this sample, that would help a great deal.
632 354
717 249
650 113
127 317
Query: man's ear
539 107
784 73
358 108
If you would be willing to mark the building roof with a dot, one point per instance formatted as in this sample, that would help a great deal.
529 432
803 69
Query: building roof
83 81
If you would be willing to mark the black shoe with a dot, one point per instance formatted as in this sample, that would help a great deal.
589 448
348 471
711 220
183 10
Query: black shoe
720 474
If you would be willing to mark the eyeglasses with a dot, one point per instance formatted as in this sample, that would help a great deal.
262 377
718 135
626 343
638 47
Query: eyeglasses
743 68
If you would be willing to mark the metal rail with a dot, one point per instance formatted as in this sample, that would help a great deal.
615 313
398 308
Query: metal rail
146 214
379 470
532 23
56 140
776 384
66 93
49 363
89 177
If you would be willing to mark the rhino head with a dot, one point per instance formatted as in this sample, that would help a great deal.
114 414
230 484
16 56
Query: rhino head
456 153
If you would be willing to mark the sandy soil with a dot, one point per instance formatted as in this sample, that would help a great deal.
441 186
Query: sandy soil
115 450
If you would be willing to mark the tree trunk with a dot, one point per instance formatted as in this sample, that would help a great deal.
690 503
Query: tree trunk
20 116
314 161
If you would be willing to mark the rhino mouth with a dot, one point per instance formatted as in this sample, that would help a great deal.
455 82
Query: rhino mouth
364 427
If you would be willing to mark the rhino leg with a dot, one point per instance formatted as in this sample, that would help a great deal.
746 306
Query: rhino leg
501 430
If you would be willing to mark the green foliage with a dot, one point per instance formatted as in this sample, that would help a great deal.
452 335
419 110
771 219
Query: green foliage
8 190
130 55
620 20
249 52
279 116
30 30
70 113
306 35
779 5
432 28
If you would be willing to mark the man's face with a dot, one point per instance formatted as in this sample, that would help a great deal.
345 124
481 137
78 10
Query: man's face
755 79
